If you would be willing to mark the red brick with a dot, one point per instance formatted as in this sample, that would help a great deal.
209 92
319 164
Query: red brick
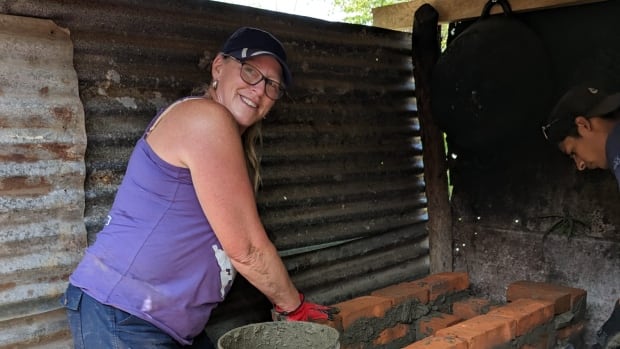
560 296
429 325
448 342
336 323
471 307
443 283
404 292
391 334
481 332
358 308
577 295
571 332
527 314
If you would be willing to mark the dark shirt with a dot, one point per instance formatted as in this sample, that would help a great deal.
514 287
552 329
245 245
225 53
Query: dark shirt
612 149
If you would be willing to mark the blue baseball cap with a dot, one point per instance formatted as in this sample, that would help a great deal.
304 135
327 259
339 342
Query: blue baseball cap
248 42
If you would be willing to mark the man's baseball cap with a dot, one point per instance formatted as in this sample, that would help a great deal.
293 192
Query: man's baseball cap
249 42
583 101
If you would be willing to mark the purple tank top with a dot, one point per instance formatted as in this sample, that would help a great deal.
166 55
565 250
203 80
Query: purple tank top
157 257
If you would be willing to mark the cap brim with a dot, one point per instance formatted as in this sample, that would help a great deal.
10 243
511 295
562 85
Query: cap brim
607 105
245 54
286 73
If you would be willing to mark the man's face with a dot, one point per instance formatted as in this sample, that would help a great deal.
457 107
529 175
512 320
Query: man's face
587 150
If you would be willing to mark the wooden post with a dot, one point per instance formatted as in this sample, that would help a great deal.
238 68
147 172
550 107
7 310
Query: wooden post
426 51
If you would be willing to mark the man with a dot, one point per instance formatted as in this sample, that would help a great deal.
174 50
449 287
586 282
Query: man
585 125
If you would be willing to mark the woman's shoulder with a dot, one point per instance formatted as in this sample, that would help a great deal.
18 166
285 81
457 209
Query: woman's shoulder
199 107
200 110
202 103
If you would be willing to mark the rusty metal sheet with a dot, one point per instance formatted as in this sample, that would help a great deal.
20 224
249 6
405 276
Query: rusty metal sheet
42 145
342 165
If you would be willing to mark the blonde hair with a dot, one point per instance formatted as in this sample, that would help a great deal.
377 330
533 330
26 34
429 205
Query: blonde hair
252 145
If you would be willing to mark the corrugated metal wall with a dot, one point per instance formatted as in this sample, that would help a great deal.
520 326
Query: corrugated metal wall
343 194
42 142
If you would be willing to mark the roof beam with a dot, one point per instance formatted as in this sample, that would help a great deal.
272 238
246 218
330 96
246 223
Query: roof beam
400 16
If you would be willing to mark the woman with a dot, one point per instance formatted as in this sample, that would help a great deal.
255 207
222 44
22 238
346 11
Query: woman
184 220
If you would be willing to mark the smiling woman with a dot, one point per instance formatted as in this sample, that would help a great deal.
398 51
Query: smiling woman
184 220
251 75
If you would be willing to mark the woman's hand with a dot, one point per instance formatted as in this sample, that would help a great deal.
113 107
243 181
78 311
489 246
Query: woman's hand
306 311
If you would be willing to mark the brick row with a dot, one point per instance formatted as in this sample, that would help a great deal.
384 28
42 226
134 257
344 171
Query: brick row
407 315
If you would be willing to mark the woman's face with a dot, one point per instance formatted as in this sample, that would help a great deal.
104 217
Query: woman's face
247 103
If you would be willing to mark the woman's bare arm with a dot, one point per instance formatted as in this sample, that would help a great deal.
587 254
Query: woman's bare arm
202 136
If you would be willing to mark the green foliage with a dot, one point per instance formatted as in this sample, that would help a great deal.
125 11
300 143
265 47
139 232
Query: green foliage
360 11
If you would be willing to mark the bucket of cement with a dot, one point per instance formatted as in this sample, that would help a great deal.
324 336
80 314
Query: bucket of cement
279 335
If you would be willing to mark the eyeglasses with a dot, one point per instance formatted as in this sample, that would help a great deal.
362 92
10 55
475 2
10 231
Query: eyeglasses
252 76
545 129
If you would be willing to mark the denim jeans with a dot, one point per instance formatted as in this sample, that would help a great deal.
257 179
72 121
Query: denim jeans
98 326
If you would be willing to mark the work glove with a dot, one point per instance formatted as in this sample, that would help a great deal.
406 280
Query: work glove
306 311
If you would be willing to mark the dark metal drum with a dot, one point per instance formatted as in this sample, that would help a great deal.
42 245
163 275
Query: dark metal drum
493 82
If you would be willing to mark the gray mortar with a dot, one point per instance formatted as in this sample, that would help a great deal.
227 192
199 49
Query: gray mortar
532 338
365 330
281 335
545 331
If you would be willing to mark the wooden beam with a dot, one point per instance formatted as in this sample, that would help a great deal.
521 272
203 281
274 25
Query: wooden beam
400 16
426 51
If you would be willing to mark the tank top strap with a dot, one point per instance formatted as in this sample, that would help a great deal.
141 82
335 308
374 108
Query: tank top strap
163 112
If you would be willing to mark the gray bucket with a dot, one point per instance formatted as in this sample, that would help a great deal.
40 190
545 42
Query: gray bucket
279 335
